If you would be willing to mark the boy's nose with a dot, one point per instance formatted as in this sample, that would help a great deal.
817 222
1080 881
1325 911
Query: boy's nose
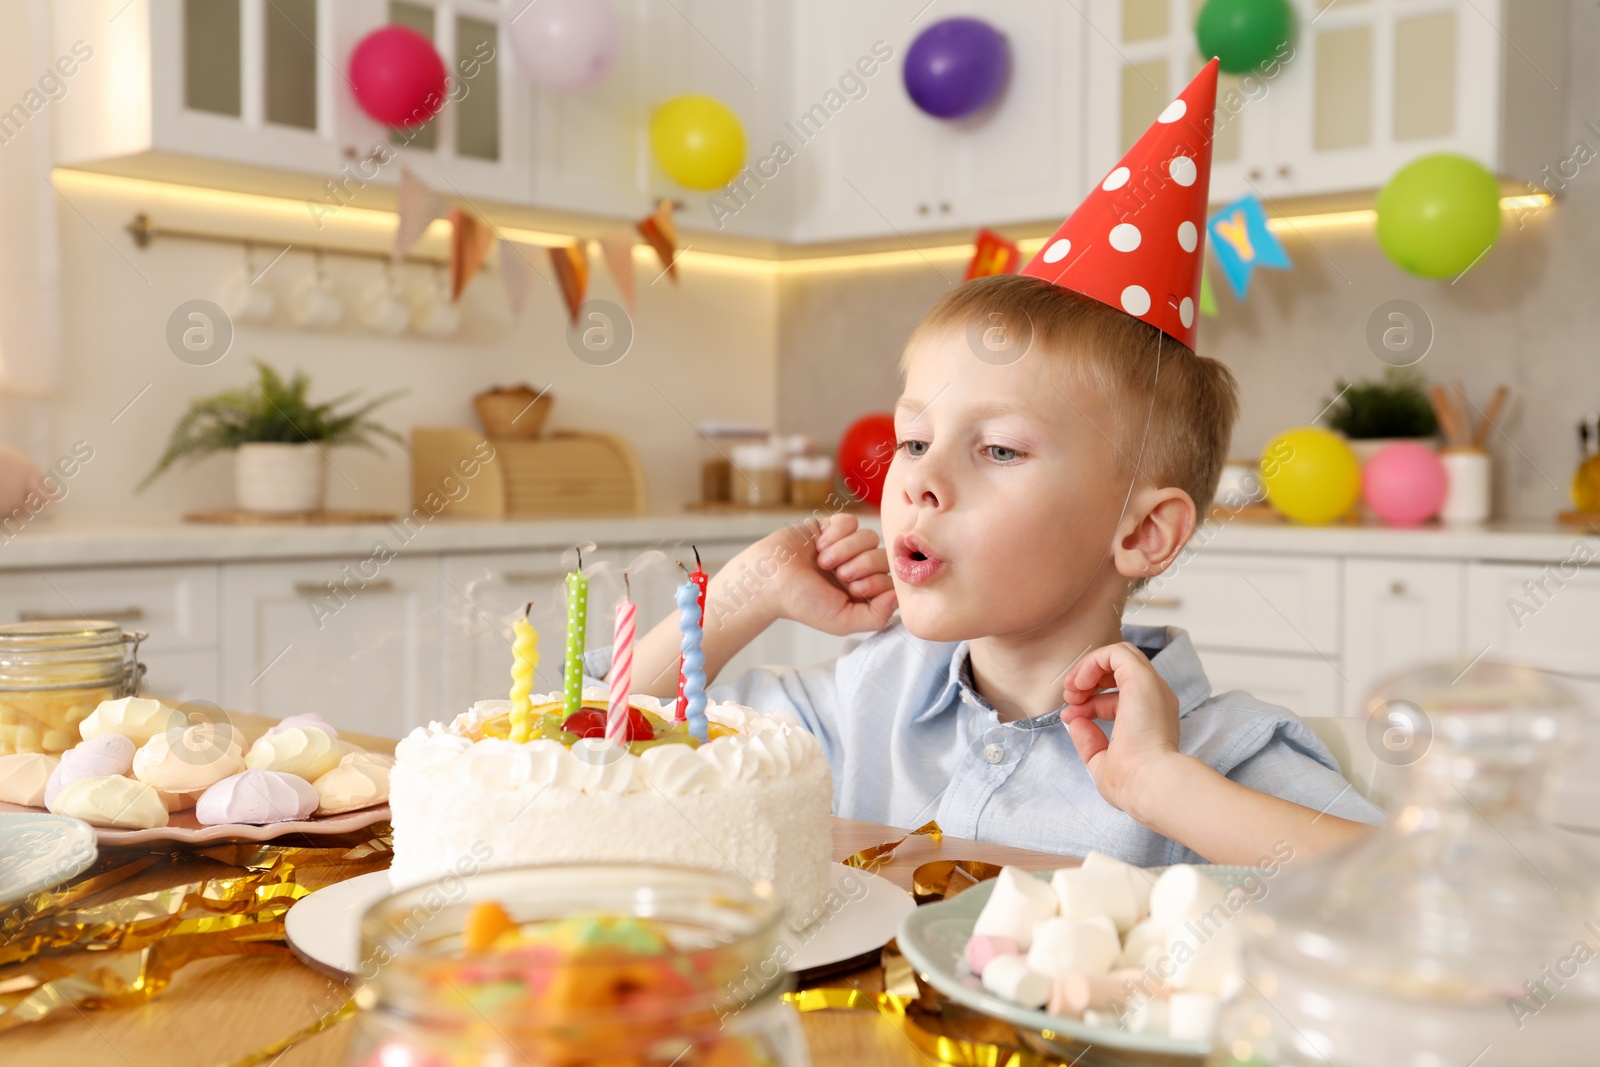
922 487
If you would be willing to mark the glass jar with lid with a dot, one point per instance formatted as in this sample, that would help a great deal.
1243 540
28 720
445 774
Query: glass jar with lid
1467 929
54 672
647 966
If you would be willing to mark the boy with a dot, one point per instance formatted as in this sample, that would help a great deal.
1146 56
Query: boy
1036 482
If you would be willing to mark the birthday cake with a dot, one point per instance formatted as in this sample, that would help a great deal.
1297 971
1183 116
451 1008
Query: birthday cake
753 799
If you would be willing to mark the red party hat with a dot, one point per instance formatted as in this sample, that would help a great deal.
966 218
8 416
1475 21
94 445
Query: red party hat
1136 242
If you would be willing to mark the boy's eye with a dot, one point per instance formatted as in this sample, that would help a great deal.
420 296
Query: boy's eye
1002 454
915 448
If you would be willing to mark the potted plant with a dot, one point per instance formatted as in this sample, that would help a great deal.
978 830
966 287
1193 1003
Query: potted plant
1379 411
278 438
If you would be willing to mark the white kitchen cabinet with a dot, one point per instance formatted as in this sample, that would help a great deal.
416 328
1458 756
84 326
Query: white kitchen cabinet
879 166
1284 604
363 651
1370 87
1540 615
1306 685
1399 613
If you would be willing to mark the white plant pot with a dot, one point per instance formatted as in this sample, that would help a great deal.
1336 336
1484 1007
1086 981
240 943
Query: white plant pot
274 477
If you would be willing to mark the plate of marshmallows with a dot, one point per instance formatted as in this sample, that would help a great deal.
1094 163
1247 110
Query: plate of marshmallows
144 773
1132 958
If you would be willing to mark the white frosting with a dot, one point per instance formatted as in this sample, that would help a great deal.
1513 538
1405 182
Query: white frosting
305 751
23 775
136 718
97 757
351 785
189 760
757 802
112 800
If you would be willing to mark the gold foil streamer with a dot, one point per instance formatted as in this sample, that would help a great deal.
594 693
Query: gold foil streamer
64 948
278 1048
870 859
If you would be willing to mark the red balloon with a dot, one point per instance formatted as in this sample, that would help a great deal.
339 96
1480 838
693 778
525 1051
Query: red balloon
864 454
398 77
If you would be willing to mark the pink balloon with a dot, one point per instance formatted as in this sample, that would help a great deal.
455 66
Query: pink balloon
398 77
1404 483
566 44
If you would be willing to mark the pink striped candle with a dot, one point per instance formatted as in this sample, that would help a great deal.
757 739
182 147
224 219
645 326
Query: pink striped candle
621 671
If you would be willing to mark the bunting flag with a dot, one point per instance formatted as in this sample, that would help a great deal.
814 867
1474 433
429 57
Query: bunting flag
661 232
1241 242
616 249
1208 296
992 254
417 207
571 263
469 246
516 274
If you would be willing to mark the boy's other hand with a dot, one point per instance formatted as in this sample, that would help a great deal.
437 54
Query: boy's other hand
826 573
1144 708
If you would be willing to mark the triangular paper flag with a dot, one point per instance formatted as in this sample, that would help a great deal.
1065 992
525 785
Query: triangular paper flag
662 234
1208 296
992 254
516 274
1135 243
617 251
1242 242
469 245
571 263
417 207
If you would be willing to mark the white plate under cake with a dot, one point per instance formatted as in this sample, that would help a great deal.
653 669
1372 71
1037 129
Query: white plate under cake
755 799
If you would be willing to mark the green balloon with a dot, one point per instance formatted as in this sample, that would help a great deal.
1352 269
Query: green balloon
1439 215
1244 35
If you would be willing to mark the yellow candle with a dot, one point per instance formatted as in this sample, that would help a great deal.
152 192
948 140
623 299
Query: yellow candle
524 659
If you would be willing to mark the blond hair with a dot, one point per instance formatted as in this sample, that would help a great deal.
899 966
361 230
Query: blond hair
1182 406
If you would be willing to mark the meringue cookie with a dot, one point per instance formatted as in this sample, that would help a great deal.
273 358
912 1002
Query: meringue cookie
191 759
179 801
308 721
256 797
98 757
136 718
112 801
304 751
366 755
352 785
23 776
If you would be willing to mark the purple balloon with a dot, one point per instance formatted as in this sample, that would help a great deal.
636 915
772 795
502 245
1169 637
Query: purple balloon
956 67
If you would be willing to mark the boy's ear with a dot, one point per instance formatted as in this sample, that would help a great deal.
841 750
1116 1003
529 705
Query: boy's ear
1157 525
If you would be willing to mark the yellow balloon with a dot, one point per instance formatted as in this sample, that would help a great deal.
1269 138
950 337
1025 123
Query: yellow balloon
1311 475
697 140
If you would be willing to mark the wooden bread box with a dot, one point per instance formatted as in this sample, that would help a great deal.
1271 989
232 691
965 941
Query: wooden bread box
463 474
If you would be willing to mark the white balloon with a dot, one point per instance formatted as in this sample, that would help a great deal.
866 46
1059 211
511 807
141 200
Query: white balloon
566 44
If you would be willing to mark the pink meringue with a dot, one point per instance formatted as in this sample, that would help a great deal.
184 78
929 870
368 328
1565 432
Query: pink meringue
23 776
101 756
257 797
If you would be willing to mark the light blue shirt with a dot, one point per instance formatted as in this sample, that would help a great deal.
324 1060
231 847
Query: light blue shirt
908 739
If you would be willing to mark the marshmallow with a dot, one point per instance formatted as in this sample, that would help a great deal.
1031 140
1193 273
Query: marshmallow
1183 893
1192 1016
1011 977
1017 903
983 948
23 776
257 797
1144 944
1101 889
1139 881
1078 993
1074 946
307 721
136 718
1146 1016
305 751
99 757
189 760
1202 962
112 801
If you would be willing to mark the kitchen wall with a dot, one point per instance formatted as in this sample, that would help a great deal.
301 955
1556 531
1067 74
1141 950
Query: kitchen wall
1527 315
703 349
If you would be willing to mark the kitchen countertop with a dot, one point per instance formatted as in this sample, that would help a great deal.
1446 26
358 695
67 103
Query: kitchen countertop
101 543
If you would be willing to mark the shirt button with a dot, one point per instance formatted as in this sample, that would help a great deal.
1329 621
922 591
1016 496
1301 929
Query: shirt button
994 752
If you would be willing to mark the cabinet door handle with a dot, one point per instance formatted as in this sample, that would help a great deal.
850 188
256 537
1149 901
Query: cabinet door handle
381 585
1284 170
1156 602
922 209
1255 174
1397 588
110 615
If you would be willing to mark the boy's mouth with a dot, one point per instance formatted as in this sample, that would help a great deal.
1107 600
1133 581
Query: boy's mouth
914 561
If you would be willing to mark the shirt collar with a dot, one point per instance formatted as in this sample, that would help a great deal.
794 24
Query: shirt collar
1175 660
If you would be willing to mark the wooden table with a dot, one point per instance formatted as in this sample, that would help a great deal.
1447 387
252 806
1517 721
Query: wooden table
219 1010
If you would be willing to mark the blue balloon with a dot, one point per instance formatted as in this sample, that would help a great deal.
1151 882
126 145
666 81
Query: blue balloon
956 67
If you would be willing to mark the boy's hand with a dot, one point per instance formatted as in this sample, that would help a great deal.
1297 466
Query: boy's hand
828 574
1146 713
